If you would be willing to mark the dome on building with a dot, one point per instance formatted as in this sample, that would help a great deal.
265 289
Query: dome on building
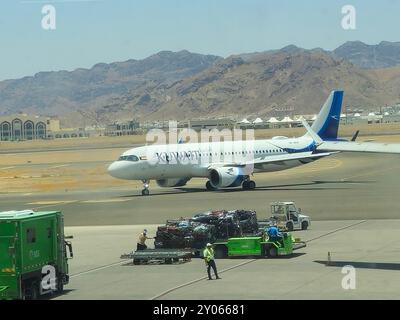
273 120
286 119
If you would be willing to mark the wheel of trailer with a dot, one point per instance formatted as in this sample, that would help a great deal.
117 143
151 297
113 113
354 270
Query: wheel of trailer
251 185
273 252
60 285
136 261
145 192
221 252
176 259
168 261
304 225
289 226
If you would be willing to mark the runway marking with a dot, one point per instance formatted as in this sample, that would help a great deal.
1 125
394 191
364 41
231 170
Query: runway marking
336 230
5 168
105 200
50 202
59 166
372 172
200 279
97 269
332 164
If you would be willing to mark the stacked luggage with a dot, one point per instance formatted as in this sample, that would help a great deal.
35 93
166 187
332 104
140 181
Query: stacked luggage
206 227
247 220
203 234
175 234
226 223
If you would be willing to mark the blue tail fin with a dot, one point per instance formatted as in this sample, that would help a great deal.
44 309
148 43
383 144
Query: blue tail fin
327 122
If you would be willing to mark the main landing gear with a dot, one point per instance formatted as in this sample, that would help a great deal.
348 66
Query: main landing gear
145 191
210 187
248 185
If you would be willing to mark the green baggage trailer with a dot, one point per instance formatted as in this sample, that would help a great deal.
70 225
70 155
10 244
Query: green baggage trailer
33 254
259 246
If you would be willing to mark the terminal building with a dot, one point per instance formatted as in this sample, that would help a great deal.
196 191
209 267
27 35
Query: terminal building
122 128
19 127
208 124
24 127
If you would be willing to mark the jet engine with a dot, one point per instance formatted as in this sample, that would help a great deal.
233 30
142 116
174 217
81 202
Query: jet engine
227 177
176 182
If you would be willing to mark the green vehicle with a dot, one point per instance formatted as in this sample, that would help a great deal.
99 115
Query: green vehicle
258 246
33 254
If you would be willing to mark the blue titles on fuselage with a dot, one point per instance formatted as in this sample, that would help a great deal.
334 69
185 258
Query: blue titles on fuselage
177 157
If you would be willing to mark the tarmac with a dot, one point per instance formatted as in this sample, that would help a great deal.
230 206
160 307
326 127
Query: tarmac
341 187
370 246
351 199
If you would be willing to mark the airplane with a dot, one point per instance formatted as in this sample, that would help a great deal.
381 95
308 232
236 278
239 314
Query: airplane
231 164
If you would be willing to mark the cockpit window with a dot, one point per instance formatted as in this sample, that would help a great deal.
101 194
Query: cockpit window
128 158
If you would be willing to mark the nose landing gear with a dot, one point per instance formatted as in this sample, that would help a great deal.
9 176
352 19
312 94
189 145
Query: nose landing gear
145 191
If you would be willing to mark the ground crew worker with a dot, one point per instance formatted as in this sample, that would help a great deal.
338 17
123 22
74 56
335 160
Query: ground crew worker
141 243
208 255
273 233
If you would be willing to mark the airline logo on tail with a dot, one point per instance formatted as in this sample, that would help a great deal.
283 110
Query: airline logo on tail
327 123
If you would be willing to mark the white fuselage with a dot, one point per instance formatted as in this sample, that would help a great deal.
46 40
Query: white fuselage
167 161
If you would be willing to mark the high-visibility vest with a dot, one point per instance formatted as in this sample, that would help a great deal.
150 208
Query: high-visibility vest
208 254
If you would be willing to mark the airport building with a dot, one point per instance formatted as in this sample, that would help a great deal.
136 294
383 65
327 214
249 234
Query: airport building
122 128
22 126
209 124
25 127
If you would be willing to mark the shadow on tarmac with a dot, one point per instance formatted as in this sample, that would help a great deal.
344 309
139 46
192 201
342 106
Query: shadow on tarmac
362 265
282 187
56 295
291 256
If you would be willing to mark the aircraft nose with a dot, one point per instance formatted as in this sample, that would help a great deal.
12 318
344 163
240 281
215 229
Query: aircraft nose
117 170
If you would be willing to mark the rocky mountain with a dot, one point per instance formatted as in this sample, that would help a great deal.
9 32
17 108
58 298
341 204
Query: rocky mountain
266 83
56 93
183 85
290 49
383 55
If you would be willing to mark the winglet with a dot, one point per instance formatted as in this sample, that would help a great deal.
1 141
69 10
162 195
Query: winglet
355 135
312 133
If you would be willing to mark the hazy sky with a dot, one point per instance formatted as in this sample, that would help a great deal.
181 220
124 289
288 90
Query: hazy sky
90 31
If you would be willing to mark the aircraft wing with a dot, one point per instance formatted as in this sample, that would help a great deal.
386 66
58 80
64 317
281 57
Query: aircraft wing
276 159
350 146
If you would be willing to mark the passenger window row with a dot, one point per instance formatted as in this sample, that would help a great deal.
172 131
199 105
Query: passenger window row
243 152
202 154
